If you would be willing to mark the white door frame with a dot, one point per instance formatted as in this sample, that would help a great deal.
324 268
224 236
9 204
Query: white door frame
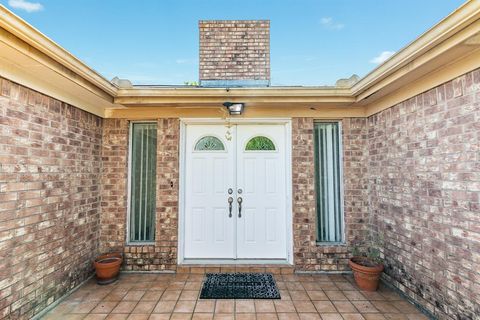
287 122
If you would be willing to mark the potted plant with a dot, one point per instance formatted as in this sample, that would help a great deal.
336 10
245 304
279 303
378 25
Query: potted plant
107 267
367 267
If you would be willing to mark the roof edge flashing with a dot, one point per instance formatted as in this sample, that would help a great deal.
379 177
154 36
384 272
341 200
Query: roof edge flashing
234 83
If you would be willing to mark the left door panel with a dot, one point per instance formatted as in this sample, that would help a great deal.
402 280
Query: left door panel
209 156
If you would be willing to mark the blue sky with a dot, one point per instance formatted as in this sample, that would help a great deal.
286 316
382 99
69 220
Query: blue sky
313 42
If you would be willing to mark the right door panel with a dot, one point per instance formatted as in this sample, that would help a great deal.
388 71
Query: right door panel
261 177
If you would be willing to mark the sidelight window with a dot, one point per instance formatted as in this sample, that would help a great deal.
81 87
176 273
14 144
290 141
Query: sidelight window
143 156
328 182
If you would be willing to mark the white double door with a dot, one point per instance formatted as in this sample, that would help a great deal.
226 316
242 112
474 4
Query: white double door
235 195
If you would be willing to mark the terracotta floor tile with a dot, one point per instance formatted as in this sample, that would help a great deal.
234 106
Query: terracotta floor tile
97 316
117 316
331 316
385 306
281 285
373 296
288 316
225 306
144 307
71 316
395 316
298 295
244 306
171 295
96 295
264 306
335 295
202 316
285 295
124 307
309 316
365 306
79 294
142 285
138 316
311 285
205 306
405 306
134 295
158 286
105 307
185 306
115 295
373 316
177 285
317 295
327 286
294 286
159 316
324 306
304 306
193 285
345 286
344 306
196 277
352 316
284 306
189 295
245 316
304 297
290 278
391 295
64 307
84 307
354 295
164 306
223 316
181 316
152 295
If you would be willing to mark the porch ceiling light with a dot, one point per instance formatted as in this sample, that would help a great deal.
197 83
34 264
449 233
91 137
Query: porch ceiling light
235 108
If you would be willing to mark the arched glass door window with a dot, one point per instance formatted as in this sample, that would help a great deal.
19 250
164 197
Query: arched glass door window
209 143
260 143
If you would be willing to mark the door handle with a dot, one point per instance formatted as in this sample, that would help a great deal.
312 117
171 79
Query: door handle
230 201
239 200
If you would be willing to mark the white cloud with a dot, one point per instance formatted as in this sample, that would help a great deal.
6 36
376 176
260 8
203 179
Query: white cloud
25 5
329 23
382 57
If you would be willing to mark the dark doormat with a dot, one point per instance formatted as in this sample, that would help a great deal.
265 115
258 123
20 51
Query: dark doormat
239 286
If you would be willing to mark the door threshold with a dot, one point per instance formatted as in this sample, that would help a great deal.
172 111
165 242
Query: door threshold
258 262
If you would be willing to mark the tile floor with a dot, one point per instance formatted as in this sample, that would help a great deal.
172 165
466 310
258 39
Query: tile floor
175 297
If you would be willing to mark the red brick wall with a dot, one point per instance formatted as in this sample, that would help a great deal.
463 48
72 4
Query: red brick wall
162 255
114 185
308 255
234 49
424 175
49 198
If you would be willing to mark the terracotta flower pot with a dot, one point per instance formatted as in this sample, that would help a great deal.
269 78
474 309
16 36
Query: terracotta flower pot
107 267
366 274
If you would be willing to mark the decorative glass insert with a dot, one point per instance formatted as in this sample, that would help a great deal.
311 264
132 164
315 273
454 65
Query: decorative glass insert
143 181
209 143
328 177
260 143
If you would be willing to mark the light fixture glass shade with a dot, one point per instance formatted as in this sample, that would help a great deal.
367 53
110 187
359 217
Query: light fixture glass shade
234 108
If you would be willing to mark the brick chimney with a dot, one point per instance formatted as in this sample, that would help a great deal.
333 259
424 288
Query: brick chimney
234 53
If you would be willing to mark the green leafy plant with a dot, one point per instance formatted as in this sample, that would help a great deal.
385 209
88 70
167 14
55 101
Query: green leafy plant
368 253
